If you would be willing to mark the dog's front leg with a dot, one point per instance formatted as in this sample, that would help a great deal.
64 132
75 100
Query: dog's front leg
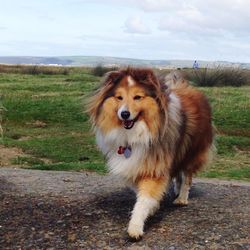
150 192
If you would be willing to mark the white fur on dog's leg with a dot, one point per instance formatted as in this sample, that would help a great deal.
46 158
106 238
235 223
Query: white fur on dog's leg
182 198
144 207
177 183
176 188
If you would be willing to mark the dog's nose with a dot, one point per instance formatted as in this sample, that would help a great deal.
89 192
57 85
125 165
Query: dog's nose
125 115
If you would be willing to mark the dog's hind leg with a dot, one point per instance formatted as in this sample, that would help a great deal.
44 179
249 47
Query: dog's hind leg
182 198
177 183
150 192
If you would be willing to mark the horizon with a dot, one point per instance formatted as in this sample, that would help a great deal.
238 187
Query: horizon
129 58
139 29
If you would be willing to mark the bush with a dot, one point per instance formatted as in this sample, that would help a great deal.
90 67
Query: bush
34 69
208 77
233 77
100 70
48 70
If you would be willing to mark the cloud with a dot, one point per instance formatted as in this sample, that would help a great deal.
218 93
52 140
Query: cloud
145 5
136 25
46 17
157 5
210 17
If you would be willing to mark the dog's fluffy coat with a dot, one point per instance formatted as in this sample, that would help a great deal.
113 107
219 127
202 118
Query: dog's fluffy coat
169 133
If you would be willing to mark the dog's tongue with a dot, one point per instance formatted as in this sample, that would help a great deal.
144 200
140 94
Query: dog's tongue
128 124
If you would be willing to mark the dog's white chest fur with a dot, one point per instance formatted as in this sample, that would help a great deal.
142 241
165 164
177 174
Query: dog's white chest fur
138 138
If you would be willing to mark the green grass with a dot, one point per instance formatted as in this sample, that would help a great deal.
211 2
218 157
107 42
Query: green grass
75 166
231 117
229 167
231 109
57 102
45 117
25 160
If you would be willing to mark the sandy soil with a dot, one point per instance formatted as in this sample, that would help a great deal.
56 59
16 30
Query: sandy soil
7 154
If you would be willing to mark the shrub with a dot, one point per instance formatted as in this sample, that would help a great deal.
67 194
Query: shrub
208 77
100 70
233 77
205 77
34 69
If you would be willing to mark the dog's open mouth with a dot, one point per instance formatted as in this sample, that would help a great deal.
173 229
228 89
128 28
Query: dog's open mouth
128 124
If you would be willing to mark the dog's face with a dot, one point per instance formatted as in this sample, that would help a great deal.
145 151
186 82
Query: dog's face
132 102
128 99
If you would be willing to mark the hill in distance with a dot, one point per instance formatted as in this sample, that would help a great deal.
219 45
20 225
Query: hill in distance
112 61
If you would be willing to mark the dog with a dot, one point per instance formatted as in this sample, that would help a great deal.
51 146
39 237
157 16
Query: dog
151 133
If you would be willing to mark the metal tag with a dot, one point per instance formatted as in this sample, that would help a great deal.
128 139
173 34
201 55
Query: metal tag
127 152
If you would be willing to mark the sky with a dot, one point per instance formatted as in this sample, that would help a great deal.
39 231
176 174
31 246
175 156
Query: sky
145 29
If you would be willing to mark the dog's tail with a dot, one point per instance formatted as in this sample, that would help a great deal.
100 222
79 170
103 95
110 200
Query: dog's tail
175 79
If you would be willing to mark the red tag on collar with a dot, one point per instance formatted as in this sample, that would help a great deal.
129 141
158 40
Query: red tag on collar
121 150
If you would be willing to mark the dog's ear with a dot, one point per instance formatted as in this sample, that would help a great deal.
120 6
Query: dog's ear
111 78
95 101
147 78
151 77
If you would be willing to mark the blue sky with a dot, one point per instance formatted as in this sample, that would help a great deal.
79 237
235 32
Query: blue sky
146 29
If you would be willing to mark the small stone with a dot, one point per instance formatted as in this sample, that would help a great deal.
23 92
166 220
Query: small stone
40 204
71 237
134 247
46 236
101 244
171 248
67 180
162 230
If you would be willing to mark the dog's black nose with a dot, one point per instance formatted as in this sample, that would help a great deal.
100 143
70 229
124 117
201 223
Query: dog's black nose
125 115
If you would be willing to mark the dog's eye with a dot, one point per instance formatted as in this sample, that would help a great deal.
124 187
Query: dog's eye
119 97
137 97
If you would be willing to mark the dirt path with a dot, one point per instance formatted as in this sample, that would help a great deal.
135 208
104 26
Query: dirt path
66 210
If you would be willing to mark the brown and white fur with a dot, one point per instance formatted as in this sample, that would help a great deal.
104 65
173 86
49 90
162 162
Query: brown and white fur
167 129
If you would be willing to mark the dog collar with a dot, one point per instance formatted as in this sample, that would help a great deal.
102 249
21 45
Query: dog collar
127 151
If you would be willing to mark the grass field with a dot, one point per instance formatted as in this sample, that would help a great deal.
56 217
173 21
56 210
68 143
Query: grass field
44 117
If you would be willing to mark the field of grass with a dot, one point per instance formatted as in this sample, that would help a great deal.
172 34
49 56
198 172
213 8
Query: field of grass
45 117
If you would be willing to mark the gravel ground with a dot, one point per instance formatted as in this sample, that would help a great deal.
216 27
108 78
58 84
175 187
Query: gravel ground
69 210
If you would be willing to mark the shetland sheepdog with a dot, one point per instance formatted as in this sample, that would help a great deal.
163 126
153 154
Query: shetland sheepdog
151 132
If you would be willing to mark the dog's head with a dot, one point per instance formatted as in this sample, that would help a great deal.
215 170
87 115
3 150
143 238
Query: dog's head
126 97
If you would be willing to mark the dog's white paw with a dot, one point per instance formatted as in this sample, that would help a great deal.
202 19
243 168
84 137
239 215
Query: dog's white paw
135 231
180 201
